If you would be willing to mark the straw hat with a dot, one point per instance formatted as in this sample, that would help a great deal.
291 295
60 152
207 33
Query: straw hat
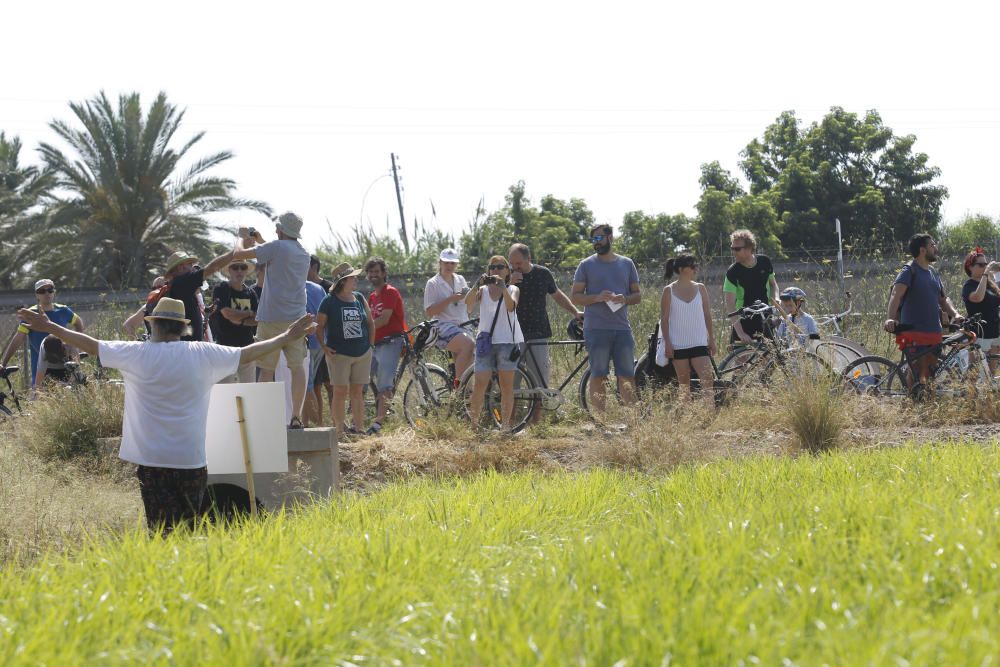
169 309
177 259
342 271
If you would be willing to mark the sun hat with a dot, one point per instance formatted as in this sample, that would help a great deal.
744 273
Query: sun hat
448 255
44 282
344 270
290 224
177 259
168 309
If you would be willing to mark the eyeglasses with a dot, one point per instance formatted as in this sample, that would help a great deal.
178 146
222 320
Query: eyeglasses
45 290
598 238
238 267
497 267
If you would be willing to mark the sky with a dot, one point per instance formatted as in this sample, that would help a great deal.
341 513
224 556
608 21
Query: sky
616 103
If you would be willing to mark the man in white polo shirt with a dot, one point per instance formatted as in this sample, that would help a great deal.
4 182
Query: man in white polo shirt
167 385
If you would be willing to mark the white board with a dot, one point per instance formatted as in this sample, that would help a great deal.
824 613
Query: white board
263 407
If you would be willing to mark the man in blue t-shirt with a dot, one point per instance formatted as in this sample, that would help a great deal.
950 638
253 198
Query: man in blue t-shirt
45 293
605 284
917 300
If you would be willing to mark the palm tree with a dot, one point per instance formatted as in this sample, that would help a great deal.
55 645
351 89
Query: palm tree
22 191
121 207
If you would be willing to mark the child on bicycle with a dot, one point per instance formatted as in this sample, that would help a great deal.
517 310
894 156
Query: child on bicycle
792 300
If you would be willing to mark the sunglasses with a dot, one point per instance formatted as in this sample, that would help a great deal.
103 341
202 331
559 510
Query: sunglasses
736 248
239 267
979 263
46 290
598 238
497 267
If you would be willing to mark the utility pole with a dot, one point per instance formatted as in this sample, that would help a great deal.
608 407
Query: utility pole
404 237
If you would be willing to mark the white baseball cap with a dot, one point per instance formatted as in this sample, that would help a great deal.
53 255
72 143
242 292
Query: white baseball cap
448 255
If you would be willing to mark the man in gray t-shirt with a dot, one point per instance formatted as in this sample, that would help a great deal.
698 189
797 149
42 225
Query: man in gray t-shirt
606 284
282 301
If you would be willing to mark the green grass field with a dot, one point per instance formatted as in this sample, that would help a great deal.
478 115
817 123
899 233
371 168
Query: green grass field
886 557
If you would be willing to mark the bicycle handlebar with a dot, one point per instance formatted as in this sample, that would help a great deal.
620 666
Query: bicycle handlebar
757 309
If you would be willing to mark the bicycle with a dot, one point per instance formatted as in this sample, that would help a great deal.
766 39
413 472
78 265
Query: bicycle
836 349
769 358
874 375
6 412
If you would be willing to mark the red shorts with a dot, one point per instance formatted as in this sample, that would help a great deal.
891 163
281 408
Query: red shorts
915 342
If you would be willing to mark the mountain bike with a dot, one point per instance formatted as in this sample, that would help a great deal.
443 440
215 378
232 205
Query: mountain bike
769 360
874 375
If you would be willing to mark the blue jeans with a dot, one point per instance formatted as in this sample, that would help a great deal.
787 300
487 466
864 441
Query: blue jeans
603 345
385 361
498 359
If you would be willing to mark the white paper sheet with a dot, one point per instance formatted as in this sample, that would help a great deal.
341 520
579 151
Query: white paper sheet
614 306
263 408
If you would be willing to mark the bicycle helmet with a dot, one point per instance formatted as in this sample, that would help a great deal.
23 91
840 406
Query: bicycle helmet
794 293
574 329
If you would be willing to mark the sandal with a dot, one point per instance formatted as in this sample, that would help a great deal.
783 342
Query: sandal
295 424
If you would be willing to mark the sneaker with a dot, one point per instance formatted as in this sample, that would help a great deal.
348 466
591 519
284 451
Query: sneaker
374 429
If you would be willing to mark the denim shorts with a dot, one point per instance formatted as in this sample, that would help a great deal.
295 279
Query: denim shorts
605 345
385 361
497 360
448 330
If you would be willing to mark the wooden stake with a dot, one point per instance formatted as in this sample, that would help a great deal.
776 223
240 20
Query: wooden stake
247 462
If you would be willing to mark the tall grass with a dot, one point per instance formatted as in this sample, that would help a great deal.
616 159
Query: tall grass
862 558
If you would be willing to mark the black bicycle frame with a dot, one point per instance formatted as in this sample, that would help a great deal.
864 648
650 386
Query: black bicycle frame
569 378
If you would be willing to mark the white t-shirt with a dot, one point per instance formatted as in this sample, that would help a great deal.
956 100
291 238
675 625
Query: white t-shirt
167 386
507 329
437 289
284 295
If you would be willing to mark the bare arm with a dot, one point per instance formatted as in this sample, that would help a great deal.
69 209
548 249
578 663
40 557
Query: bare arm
565 303
984 282
39 322
12 347
371 323
634 295
134 321
579 297
774 286
948 307
383 319
735 319
665 321
895 300
510 297
706 307
298 329
222 260
472 298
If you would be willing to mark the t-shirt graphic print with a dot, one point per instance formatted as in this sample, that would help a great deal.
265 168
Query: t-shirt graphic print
353 323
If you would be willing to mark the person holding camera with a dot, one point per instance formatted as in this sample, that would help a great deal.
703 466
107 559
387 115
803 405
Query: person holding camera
498 338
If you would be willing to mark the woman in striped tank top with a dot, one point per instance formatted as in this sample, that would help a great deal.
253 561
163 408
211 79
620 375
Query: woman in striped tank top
686 325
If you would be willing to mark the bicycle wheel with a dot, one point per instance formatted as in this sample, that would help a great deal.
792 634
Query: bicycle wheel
583 390
836 354
427 394
797 365
873 375
525 398
744 365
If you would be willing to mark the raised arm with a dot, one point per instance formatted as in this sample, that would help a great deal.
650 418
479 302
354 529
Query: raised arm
39 322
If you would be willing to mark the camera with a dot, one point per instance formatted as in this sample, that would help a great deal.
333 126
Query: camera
252 232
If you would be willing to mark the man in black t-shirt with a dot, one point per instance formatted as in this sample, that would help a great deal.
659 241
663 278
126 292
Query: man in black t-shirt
185 278
536 283
314 274
750 278
235 310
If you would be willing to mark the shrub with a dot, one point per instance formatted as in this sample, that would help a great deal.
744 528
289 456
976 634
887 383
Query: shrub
817 414
69 423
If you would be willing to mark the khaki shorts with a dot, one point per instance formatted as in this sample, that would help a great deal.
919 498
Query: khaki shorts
295 350
345 370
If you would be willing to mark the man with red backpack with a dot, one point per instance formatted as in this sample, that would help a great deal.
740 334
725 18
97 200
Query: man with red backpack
184 281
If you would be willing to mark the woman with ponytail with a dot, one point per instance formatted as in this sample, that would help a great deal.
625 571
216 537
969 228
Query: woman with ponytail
982 296
686 326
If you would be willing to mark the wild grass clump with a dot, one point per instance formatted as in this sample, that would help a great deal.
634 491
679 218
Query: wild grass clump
67 424
817 414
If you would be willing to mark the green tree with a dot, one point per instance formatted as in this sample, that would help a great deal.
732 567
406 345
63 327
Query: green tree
23 190
971 231
847 167
122 205
651 239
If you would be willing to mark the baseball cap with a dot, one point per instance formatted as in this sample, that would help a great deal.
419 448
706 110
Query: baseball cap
448 255
44 282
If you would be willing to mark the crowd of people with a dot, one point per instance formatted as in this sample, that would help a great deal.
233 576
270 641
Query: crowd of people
330 335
